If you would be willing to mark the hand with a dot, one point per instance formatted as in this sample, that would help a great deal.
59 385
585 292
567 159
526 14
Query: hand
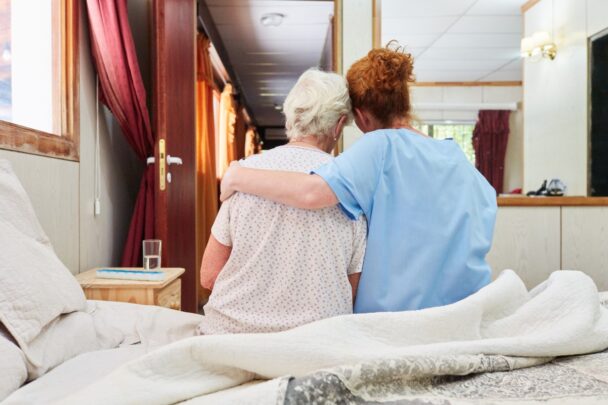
227 186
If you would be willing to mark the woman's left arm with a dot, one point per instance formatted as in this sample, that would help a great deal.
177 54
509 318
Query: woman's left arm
353 279
214 259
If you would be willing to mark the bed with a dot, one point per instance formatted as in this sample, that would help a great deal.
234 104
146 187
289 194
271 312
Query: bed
141 330
502 344
52 340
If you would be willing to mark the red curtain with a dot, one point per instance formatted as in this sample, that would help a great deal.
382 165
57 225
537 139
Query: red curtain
490 138
122 90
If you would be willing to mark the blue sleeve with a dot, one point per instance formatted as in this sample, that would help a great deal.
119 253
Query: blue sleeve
353 176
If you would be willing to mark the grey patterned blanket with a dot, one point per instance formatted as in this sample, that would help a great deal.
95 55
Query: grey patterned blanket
447 380
458 380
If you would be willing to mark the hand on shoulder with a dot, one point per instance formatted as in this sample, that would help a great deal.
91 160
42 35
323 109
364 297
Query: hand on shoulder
227 188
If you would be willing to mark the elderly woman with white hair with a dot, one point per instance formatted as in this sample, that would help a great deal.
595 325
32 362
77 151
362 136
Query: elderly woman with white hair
271 267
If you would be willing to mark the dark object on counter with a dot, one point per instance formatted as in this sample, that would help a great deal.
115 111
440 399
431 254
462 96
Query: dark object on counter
555 188
540 192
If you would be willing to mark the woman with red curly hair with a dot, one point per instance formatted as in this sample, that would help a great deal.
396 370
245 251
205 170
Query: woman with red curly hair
430 213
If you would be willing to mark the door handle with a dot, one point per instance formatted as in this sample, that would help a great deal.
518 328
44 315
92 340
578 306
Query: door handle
174 160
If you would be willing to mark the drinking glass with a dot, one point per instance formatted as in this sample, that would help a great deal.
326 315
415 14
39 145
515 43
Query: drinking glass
151 251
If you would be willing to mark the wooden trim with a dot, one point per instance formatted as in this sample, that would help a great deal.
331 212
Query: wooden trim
58 16
337 57
552 201
22 139
337 37
67 144
71 97
467 84
528 5
377 23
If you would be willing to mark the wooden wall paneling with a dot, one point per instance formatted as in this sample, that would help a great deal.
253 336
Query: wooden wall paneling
585 242
527 240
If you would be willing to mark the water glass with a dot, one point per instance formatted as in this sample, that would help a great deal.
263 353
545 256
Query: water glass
151 251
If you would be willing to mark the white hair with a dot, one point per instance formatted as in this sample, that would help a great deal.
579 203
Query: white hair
315 104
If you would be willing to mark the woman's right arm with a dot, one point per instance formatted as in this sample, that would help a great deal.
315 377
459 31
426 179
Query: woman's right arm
297 190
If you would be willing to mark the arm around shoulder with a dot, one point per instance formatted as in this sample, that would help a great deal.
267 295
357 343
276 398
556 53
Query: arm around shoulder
297 190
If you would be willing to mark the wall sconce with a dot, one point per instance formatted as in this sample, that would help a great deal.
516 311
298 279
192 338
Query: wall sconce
538 46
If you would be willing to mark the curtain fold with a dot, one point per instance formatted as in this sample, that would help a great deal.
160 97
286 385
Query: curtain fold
207 190
490 138
251 141
240 134
122 91
227 151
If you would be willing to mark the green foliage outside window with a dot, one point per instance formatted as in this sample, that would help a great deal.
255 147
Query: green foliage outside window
462 134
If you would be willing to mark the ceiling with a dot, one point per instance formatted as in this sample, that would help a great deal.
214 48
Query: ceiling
457 40
452 41
269 60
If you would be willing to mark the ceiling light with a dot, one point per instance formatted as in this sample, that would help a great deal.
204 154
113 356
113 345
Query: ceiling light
272 19
278 107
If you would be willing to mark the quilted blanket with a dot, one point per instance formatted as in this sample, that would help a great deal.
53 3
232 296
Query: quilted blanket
501 328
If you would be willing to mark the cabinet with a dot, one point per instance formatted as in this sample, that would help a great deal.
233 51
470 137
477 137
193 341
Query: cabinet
166 293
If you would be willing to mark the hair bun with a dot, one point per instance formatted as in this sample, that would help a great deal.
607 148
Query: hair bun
379 83
392 66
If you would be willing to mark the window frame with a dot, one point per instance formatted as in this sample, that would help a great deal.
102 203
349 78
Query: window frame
65 145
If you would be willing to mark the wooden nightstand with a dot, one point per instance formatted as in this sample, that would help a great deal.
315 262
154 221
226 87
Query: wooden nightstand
166 293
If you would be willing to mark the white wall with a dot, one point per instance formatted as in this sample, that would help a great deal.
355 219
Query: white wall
62 191
52 185
357 41
478 95
556 93
597 16
514 157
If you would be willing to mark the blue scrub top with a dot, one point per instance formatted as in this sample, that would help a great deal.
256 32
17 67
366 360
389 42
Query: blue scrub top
430 219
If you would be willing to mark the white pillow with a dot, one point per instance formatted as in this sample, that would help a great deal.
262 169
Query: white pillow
65 337
35 286
12 366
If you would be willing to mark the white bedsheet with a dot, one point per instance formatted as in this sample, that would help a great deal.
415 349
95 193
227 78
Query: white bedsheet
560 317
136 329
74 375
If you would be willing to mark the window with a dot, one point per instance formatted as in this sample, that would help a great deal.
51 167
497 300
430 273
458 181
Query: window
39 77
462 134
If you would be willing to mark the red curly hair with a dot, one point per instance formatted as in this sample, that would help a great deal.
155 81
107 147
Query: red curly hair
379 81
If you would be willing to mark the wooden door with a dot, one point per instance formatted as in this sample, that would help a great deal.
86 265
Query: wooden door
174 30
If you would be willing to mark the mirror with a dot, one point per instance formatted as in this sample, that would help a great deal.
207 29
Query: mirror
466 59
